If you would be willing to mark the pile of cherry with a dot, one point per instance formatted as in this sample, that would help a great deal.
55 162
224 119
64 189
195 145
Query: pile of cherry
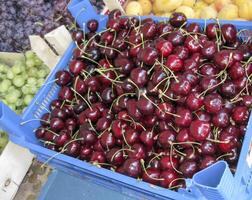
157 101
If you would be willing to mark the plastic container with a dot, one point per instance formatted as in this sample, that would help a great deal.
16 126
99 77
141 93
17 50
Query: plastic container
213 183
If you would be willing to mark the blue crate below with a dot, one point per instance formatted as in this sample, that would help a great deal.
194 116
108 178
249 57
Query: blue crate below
63 186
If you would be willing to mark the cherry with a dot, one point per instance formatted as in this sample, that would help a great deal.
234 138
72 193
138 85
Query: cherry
73 149
163 111
56 124
177 19
132 167
78 36
174 63
80 86
192 44
191 77
93 114
190 65
164 47
97 146
209 84
56 103
213 103
88 137
85 153
139 76
176 38
148 30
92 25
191 154
167 163
208 69
228 141
62 139
247 100
65 94
107 140
49 136
163 27
76 67
221 119
147 138
209 49
203 116
228 89
188 168
107 38
98 157
185 117
236 71
200 130
208 148
102 124
151 175
118 128
233 157
240 83
71 124
168 178
124 64
166 137
40 133
60 113
131 136
181 86
194 101
181 51
223 60
212 30
183 136
113 24
206 162
138 152
132 109
115 156
148 55
193 28
229 33
63 77
145 106
108 95
240 114
149 121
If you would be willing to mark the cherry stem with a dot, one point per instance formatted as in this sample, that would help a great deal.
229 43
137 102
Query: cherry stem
99 164
156 156
112 158
145 171
52 132
167 68
161 93
218 141
177 179
118 98
82 98
138 90
106 47
171 154
90 123
224 155
101 73
31 120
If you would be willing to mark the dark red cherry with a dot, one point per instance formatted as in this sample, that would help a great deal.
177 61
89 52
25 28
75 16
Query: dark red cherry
148 30
240 114
98 157
168 178
145 106
107 140
165 138
63 77
168 163
124 64
73 149
236 71
212 30
118 128
151 175
181 86
200 130
182 52
228 141
164 47
188 168
76 67
229 33
148 55
88 137
209 49
213 103
176 38
147 138
139 76
137 151
115 156
194 101
56 124
92 25
132 167
177 19
183 118
208 148
174 63
207 161
193 28
164 111
221 119
131 136
66 94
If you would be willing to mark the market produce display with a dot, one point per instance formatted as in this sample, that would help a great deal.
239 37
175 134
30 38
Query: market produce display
19 83
98 5
157 101
21 18
204 9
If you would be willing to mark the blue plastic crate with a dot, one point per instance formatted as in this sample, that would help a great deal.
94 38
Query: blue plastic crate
214 183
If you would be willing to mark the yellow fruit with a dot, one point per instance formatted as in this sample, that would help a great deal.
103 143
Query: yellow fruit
240 19
167 5
197 13
155 9
167 14
189 3
239 2
146 6
134 8
229 11
208 13
188 11
199 5
209 1
219 4
245 10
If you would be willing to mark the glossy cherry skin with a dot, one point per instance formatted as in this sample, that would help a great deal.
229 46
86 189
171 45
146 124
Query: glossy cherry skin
213 103
92 25
63 77
40 133
247 100
118 128
184 118
209 49
221 119
73 149
233 157
107 140
168 163
229 33
166 138
138 152
149 30
164 47
181 87
88 137
194 101
139 76
132 109
57 124
182 137
66 93
115 156
147 138
103 124
131 136
182 52
124 64
93 114
236 71
192 44
193 28
206 162
132 167
208 148
176 38
240 114
148 55
168 178
164 111
98 157
228 141
151 175
145 106
76 66
222 59
177 19
85 153
174 63
188 168
212 30
200 130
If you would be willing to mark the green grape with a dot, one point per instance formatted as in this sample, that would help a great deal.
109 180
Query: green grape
12 106
30 63
37 61
4 85
31 81
33 89
30 54
27 99
18 81
4 101
16 69
19 102
25 89
10 75
42 73
32 72
24 75
3 68
12 97
40 82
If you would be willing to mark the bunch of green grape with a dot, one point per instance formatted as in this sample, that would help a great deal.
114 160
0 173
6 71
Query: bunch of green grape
20 82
